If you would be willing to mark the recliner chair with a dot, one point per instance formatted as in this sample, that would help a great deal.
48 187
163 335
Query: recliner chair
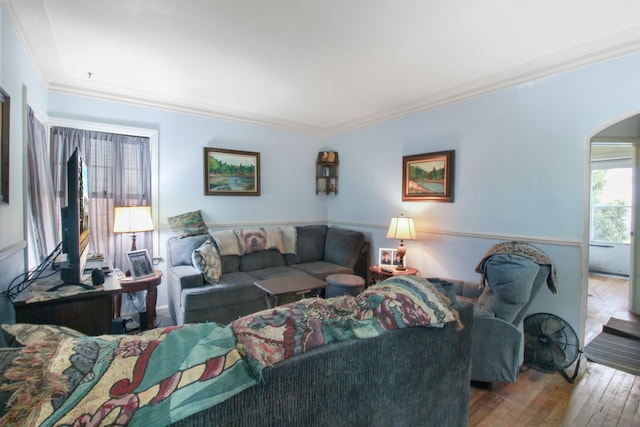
512 274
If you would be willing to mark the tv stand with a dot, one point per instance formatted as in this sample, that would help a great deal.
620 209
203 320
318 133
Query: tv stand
82 307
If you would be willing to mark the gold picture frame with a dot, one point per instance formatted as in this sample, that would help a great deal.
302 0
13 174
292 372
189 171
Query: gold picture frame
231 172
428 177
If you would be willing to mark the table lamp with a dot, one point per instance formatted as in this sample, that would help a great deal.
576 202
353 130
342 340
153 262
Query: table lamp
401 228
132 219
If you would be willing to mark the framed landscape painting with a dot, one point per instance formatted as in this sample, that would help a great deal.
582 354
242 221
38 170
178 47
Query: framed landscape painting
428 177
231 172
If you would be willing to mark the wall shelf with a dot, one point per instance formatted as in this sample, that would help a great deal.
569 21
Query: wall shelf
327 172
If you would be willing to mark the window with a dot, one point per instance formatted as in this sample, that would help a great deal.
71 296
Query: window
611 190
122 172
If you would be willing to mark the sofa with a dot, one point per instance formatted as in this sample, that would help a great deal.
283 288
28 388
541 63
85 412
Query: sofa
403 376
316 250
407 377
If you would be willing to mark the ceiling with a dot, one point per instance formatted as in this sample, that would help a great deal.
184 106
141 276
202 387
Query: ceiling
322 67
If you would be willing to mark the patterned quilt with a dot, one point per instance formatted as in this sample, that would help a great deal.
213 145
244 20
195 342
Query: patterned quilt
163 375
273 335
150 379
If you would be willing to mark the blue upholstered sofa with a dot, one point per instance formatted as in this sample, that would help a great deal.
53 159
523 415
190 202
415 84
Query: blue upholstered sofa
417 376
319 251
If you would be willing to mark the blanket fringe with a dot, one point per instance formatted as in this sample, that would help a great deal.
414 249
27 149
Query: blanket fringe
30 383
459 324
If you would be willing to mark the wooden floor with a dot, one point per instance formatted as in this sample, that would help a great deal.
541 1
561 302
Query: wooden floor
600 396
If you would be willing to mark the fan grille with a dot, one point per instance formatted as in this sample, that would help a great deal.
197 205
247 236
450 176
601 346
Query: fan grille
549 342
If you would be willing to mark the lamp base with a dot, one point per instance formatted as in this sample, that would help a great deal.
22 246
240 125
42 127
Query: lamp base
133 242
400 256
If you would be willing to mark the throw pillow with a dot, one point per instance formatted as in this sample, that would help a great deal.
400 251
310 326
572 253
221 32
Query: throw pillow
207 260
21 334
188 224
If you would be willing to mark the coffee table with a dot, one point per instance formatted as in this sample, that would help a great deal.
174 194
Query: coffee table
299 285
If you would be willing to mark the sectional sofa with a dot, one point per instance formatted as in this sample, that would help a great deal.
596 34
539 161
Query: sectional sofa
197 296
408 377
396 355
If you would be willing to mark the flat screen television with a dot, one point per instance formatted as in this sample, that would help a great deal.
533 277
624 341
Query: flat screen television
75 221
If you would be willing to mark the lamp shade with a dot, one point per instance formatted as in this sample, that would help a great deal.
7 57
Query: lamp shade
402 228
132 219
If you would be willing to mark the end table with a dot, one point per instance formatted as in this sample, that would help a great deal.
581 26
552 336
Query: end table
149 284
376 274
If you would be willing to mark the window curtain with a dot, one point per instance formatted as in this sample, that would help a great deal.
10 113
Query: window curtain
119 172
43 230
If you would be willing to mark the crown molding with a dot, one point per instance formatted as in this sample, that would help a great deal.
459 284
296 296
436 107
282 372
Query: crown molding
618 45
152 100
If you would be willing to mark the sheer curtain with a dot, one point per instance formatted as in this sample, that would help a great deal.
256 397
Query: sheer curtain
119 169
43 230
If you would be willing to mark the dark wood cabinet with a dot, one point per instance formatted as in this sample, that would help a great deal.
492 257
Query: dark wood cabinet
89 312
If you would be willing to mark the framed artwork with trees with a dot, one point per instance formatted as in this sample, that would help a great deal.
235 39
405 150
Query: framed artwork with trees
428 177
231 172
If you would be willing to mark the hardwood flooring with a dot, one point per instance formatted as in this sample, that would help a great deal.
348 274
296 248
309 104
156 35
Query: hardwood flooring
600 396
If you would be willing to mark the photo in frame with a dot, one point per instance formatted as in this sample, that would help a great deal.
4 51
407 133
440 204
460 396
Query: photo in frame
140 264
5 104
388 258
231 172
428 177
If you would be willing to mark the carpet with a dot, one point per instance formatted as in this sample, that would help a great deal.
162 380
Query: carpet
617 346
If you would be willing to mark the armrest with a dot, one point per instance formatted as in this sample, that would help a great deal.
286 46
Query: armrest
185 277
496 350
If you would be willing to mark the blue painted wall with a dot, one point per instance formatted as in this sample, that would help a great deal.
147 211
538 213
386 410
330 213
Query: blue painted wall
19 79
521 155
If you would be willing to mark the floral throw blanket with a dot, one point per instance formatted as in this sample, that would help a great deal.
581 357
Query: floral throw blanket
150 379
273 335
164 375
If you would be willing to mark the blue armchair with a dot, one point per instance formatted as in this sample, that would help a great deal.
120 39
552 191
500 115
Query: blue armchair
512 274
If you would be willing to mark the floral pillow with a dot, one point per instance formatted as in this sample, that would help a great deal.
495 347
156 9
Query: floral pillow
188 224
207 260
22 334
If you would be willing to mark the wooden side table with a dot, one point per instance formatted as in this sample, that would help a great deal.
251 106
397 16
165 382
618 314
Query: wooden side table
149 284
376 274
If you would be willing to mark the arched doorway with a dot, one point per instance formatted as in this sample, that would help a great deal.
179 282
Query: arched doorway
620 142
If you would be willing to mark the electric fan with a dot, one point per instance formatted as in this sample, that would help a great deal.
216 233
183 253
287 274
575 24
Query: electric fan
550 343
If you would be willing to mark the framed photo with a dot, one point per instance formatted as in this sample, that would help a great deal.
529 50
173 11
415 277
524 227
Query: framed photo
140 264
231 172
5 104
388 258
428 177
